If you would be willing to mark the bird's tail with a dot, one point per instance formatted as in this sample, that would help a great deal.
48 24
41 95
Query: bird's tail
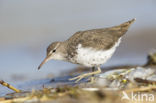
122 28
127 24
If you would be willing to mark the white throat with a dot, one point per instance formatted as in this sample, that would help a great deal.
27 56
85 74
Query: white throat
58 56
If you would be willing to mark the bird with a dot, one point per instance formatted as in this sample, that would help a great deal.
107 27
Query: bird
89 48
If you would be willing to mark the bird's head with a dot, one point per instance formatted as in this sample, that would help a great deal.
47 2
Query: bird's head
54 51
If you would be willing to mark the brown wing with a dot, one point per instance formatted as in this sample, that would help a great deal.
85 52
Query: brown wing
98 38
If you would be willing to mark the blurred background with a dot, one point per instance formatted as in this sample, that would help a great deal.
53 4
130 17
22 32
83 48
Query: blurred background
27 27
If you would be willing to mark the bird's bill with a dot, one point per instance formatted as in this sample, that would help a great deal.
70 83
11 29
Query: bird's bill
44 61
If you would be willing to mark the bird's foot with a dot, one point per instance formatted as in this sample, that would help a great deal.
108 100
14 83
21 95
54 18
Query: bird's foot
80 77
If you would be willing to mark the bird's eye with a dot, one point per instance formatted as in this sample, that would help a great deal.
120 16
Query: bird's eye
54 50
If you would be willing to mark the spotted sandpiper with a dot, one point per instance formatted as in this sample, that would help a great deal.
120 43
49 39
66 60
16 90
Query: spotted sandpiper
90 48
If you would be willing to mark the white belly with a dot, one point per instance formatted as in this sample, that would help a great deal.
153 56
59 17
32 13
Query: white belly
90 57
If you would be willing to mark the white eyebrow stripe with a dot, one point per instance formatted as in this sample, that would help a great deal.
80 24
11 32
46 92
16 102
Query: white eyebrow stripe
57 45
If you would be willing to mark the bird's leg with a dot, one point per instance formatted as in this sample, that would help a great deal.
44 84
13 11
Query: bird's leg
93 69
86 74
92 77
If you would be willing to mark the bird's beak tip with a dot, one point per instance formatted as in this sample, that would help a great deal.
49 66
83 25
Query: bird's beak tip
38 68
43 62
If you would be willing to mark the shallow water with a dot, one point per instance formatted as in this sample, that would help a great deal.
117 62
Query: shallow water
39 84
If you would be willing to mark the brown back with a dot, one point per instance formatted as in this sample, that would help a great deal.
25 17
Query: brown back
100 39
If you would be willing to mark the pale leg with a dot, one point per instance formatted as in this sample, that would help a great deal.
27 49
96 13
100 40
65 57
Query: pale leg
85 75
92 77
